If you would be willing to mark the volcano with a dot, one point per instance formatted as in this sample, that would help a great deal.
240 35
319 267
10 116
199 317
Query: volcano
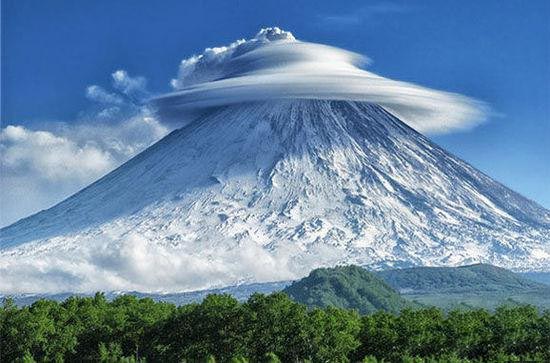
288 156
265 191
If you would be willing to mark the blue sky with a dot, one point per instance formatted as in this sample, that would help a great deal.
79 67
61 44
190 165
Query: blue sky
495 51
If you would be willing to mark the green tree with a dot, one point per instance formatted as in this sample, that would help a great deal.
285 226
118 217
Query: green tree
130 318
87 316
37 331
421 332
515 330
468 333
333 334
378 337
269 328
214 327
27 358
277 325
271 358
543 327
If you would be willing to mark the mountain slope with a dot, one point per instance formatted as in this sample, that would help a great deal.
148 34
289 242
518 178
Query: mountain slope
464 278
476 286
348 287
268 191
540 277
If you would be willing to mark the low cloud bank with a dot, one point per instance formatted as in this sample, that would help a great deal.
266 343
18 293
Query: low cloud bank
132 263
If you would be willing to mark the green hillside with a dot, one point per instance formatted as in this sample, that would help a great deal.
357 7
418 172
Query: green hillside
350 287
541 277
473 277
465 287
479 285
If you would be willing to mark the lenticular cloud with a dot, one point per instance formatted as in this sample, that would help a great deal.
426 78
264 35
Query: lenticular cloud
274 65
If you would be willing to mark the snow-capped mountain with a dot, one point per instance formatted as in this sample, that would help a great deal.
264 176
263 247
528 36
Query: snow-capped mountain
266 191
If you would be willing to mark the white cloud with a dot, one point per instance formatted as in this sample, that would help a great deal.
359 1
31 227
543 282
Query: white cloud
274 65
98 94
132 263
56 157
40 167
215 62
133 87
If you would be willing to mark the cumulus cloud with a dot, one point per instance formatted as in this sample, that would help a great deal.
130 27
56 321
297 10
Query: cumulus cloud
57 157
40 167
274 65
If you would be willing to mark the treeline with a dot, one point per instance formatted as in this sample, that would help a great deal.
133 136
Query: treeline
268 328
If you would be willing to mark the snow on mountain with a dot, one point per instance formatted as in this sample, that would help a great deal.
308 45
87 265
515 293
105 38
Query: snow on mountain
266 191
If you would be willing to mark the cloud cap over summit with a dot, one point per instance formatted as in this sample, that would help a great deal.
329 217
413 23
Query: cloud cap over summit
275 65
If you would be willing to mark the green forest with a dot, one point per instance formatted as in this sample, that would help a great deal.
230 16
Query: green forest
265 328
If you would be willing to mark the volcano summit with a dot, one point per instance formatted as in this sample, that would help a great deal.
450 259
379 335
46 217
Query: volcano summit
280 165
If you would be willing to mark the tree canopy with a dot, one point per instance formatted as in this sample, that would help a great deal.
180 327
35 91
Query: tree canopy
266 328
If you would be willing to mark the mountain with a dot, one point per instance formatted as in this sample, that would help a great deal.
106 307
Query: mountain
478 285
349 287
267 191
